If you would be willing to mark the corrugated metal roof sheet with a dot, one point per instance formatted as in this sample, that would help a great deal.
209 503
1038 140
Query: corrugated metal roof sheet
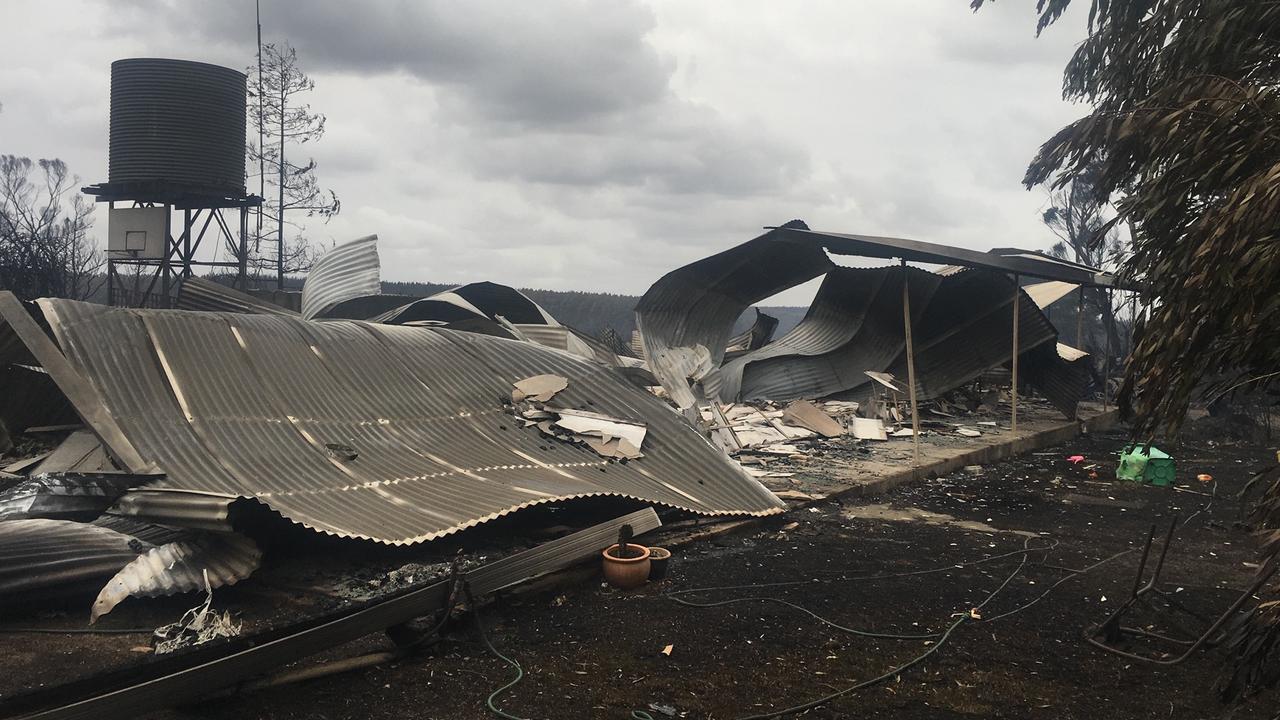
197 293
962 322
348 271
59 558
854 324
697 304
218 559
242 406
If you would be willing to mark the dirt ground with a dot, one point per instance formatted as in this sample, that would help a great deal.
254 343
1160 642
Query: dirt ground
590 651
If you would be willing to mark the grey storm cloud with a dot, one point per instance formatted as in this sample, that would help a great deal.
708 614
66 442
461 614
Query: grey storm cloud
596 145
564 92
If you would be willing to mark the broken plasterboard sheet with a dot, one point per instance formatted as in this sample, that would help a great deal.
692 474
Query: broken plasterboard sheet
840 407
869 429
539 387
904 432
807 415
616 447
583 422
968 432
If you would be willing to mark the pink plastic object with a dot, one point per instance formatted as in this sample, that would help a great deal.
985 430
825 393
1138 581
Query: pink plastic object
1075 459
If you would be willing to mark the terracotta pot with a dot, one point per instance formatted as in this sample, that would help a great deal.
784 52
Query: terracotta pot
629 572
659 558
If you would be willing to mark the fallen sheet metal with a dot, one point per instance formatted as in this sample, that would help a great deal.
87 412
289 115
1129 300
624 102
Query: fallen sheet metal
350 270
80 452
492 309
241 408
67 496
42 560
208 561
961 318
696 305
197 293
755 337
178 679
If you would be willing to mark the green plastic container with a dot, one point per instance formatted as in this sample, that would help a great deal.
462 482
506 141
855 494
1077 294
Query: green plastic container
1144 463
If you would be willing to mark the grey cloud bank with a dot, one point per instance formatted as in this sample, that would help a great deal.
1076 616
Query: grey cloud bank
576 145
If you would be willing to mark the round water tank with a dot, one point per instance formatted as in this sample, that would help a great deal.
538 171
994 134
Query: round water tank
177 125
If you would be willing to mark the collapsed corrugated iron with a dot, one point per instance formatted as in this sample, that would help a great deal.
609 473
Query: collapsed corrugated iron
198 293
350 270
499 310
696 305
211 560
66 496
47 559
960 318
853 325
239 408
755 337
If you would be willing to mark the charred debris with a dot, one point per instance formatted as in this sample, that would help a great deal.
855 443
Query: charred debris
153 452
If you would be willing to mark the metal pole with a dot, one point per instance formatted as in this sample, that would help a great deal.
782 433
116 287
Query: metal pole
1013 394
170 247
1106 359
186 243
911 366
1080 318
242 256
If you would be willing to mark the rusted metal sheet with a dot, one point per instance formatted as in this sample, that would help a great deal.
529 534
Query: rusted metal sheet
235 406
348 271
197 293
210 560
45 559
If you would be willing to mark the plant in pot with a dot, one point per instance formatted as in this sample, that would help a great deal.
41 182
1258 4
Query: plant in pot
626 565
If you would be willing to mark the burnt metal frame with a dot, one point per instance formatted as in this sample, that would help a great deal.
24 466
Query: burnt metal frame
185 198
1112 631
203 671
183 250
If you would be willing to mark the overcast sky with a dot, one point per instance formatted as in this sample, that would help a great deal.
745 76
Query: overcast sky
596 145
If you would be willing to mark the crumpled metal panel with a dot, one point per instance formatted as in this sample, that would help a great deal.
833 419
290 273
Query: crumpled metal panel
479 299
1059 372
755 337
347 271
242 406
47 559
65 496
854 324
697 304
967 329
197 293
962 319
216 558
